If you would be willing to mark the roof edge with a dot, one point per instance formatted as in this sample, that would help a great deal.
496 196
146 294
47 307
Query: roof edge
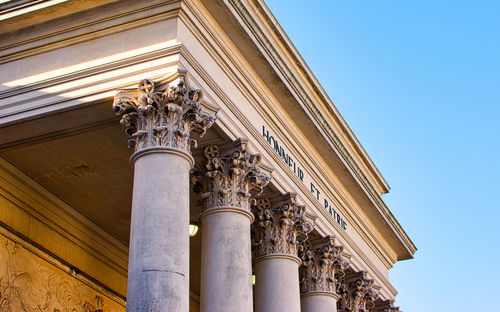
406 248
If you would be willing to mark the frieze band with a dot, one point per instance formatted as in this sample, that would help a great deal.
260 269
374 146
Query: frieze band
229 181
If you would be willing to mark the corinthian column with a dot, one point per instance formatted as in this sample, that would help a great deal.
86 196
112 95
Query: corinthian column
280 230
159 125
322 264
230 176
358 294
385 306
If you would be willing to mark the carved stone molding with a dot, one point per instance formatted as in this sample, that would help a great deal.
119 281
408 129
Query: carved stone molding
322 265
385 306
29 282
281 226
230 176
162 119
357 293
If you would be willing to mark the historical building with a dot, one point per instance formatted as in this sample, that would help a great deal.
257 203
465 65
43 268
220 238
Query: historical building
127 125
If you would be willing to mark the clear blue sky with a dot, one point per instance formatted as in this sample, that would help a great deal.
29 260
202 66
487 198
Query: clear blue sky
419 84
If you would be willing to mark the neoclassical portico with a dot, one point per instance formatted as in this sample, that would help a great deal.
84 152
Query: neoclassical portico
214 100
160 126
229 181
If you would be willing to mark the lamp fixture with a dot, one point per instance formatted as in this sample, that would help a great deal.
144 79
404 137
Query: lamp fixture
193 229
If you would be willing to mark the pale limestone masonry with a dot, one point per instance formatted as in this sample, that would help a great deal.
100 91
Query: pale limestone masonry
385 306
357 293
280 231
94 218
160 125
228 178
323 267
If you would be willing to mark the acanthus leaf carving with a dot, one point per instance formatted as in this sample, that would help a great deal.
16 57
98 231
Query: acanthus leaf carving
322 265
385 306
230 177
358 293
162 119
30 282
281 227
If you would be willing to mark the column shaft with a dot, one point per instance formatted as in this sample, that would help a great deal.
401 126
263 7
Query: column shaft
319 302
280 230
226 276
277 284
227 180
159 124
158 278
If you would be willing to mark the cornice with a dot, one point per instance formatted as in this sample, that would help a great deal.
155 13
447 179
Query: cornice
289 74
246 84
91 83
28 13
282 38
225 121
256 94
91 71
15 49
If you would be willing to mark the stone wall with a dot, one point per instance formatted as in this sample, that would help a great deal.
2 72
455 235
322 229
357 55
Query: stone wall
31 280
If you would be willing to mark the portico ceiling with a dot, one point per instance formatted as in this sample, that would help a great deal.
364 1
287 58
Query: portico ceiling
81 156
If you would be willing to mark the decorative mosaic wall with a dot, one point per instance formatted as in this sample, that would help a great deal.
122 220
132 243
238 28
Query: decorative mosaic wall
29 283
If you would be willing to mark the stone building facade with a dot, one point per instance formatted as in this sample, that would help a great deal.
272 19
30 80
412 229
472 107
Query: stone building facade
124 124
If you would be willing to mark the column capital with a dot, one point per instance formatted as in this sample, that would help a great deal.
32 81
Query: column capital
322 265
281 226
385 306
229 178
162 120
358 293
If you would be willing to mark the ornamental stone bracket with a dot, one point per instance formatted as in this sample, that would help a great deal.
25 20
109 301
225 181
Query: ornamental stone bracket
162 119
229 177
281 226
385 306
357 293
323 264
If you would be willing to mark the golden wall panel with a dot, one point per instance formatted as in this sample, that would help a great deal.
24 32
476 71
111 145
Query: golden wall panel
33 281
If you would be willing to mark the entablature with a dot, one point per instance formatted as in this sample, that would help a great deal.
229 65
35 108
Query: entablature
258 58
295 88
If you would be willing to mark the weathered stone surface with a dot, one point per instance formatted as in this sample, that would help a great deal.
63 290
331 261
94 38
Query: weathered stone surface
160 125
29 282
385 306
226 181
162 119
279 233
357 293
277 284
159 234
318 302
322 265
229 176
281 226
